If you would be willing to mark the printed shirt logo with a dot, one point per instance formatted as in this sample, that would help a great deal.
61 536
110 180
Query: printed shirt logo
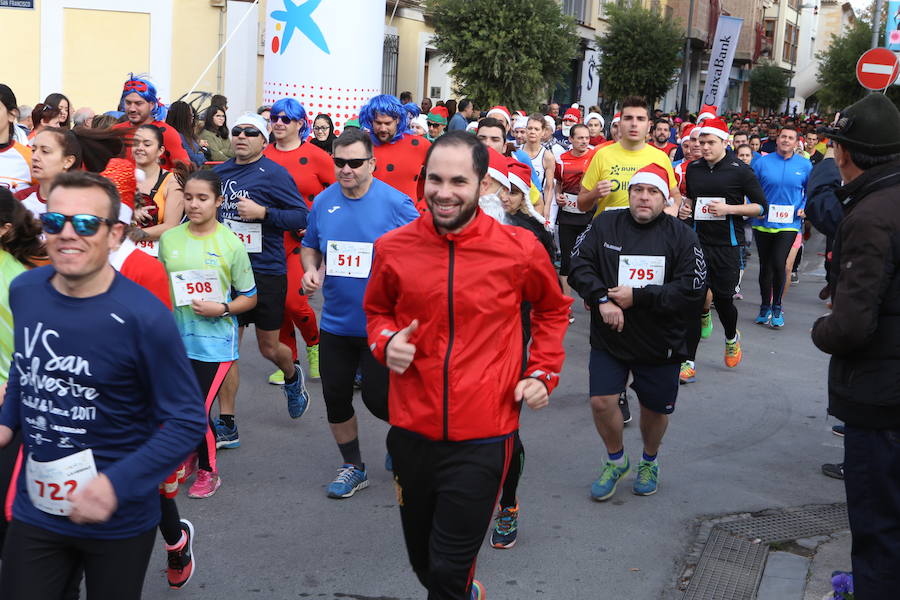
298 16
333 208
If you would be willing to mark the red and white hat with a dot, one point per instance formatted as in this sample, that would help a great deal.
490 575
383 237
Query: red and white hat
594 115
616 118
707 111
572 114
654 175
520 175
498 167
716 127
501 112
686 133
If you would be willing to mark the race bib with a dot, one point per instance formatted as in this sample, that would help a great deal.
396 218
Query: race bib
249 233
780 213
702 211
349 259
150 247
571 205
50 483
196 284
640 271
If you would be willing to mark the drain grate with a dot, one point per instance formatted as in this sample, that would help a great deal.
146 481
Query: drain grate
790 524
729 569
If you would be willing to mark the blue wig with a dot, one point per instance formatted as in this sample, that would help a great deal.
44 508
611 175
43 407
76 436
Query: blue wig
295 112
385 104
143 87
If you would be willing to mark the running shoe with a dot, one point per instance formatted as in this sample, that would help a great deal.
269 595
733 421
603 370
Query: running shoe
277 378
835 470
478 592
687 374
357 380
838 430
296 394
764 316
350 479
227 437
706 325
181 558
738 296
312 355
388 462
623 406
777 321
188 467
647 480
205 485
605 487
795 277
506 528
571 316
733 352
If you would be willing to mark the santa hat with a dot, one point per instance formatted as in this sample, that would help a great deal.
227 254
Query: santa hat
421 121
521 122
572 114
439 114
654 175
472 127
616 118
594 115
707 111
521 113
520 175
550 121
498 168
125 177
686 133
716 127
501 112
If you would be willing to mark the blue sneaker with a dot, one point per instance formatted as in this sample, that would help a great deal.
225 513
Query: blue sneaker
227 437
506 528
350 479
388 462
296 394
605 487
777 317
765 315
647 480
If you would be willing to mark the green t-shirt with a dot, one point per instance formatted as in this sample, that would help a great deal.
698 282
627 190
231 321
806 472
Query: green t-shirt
9 270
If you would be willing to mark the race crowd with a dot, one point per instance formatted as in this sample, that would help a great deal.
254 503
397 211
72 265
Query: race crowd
442 239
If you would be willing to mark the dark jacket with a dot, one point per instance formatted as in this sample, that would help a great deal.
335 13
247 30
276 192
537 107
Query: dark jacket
656 325
823 209
862 333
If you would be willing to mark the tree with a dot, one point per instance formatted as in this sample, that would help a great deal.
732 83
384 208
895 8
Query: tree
837 67
503 51
640 53
768 86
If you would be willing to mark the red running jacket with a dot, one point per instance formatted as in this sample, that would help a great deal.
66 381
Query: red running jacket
466 290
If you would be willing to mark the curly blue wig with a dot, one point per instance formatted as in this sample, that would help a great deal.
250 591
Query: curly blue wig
385 104
294 110
144 88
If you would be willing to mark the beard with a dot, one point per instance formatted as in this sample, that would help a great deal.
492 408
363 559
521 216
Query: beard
466 212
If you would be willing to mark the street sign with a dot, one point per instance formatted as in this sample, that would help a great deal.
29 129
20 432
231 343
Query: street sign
877 69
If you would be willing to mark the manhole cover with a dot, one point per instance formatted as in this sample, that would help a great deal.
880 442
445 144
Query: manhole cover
790 524
729 569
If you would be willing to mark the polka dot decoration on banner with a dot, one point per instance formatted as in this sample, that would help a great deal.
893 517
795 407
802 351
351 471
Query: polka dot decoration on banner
341 104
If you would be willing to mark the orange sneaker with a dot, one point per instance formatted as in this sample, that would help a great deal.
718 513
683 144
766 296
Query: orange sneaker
688 373
733 352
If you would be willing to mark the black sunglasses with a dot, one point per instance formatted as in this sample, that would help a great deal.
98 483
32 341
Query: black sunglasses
247 131
283 118
84 225
354 163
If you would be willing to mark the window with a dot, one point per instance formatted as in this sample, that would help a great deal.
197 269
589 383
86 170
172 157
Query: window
391 52
795 4
769 35
580 9
791 39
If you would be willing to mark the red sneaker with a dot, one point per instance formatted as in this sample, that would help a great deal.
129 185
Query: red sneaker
205 485
181 558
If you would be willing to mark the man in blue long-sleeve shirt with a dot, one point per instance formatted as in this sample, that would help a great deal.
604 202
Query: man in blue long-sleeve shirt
101 427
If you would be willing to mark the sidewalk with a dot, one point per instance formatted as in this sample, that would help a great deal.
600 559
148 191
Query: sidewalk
831 555
802 570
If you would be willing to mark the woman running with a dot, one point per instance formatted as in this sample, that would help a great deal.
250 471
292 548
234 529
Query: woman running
161 202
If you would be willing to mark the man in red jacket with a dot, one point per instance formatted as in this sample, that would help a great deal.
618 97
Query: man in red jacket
142 107
443 313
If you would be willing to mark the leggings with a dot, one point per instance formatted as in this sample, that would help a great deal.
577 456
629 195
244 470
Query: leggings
773 254
568 235
297 311
516 466
341 356
210 377
169 520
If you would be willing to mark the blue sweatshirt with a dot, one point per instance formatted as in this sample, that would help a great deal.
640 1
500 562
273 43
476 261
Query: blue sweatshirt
784 183
268 184
337 218
107 373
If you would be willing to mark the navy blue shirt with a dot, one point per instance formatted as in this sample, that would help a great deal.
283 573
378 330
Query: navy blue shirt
107 373
268 184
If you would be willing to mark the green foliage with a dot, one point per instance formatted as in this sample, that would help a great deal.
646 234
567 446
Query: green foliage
837 67
504 51
640 53
768 86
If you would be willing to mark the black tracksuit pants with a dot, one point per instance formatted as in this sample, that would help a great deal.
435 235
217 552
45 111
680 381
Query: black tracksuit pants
447 492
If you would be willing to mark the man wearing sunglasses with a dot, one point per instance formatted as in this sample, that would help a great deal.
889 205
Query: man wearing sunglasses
261 203
99 432
344 223
437 122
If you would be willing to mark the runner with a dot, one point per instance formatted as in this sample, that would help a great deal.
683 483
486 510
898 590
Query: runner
595 124
783 176
659 138
106 520
313 171
161 203
453 420
643 275
542 160
261 203
343 225
142 107
399 155
15 158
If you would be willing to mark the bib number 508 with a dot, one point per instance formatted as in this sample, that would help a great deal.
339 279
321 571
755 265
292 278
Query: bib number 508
199 288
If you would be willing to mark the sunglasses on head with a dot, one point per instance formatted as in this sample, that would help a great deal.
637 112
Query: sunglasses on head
84 225
283 118
354 163
247 131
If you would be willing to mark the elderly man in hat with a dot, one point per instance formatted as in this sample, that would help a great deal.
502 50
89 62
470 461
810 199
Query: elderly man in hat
862 334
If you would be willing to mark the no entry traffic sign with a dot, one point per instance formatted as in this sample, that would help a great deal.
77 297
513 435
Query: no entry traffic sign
877 69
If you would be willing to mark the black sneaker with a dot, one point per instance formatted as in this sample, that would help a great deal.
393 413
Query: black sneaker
838 430
623 406
835 470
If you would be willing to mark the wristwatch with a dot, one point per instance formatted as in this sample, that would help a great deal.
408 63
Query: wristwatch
603 300
227 312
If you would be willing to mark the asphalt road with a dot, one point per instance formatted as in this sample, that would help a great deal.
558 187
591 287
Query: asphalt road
739 440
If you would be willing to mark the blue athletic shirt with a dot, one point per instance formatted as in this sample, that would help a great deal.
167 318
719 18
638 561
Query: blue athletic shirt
107 373
784 183
269 184
334 217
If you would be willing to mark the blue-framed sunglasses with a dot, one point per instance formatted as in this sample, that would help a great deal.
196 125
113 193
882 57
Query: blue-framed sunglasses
84 225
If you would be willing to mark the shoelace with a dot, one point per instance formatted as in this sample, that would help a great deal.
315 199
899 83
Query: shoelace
506 521
346 475
645 473
731 348
608 471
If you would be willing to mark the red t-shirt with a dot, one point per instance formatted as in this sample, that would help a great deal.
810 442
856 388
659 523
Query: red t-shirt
570 170
399 164
310 166
667 149
174 151
142 269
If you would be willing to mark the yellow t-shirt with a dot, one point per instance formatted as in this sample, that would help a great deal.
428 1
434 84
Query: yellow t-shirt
617 164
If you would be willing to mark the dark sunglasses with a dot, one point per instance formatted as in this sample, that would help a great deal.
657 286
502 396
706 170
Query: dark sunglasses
354 163
247 131
84 225
283 118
